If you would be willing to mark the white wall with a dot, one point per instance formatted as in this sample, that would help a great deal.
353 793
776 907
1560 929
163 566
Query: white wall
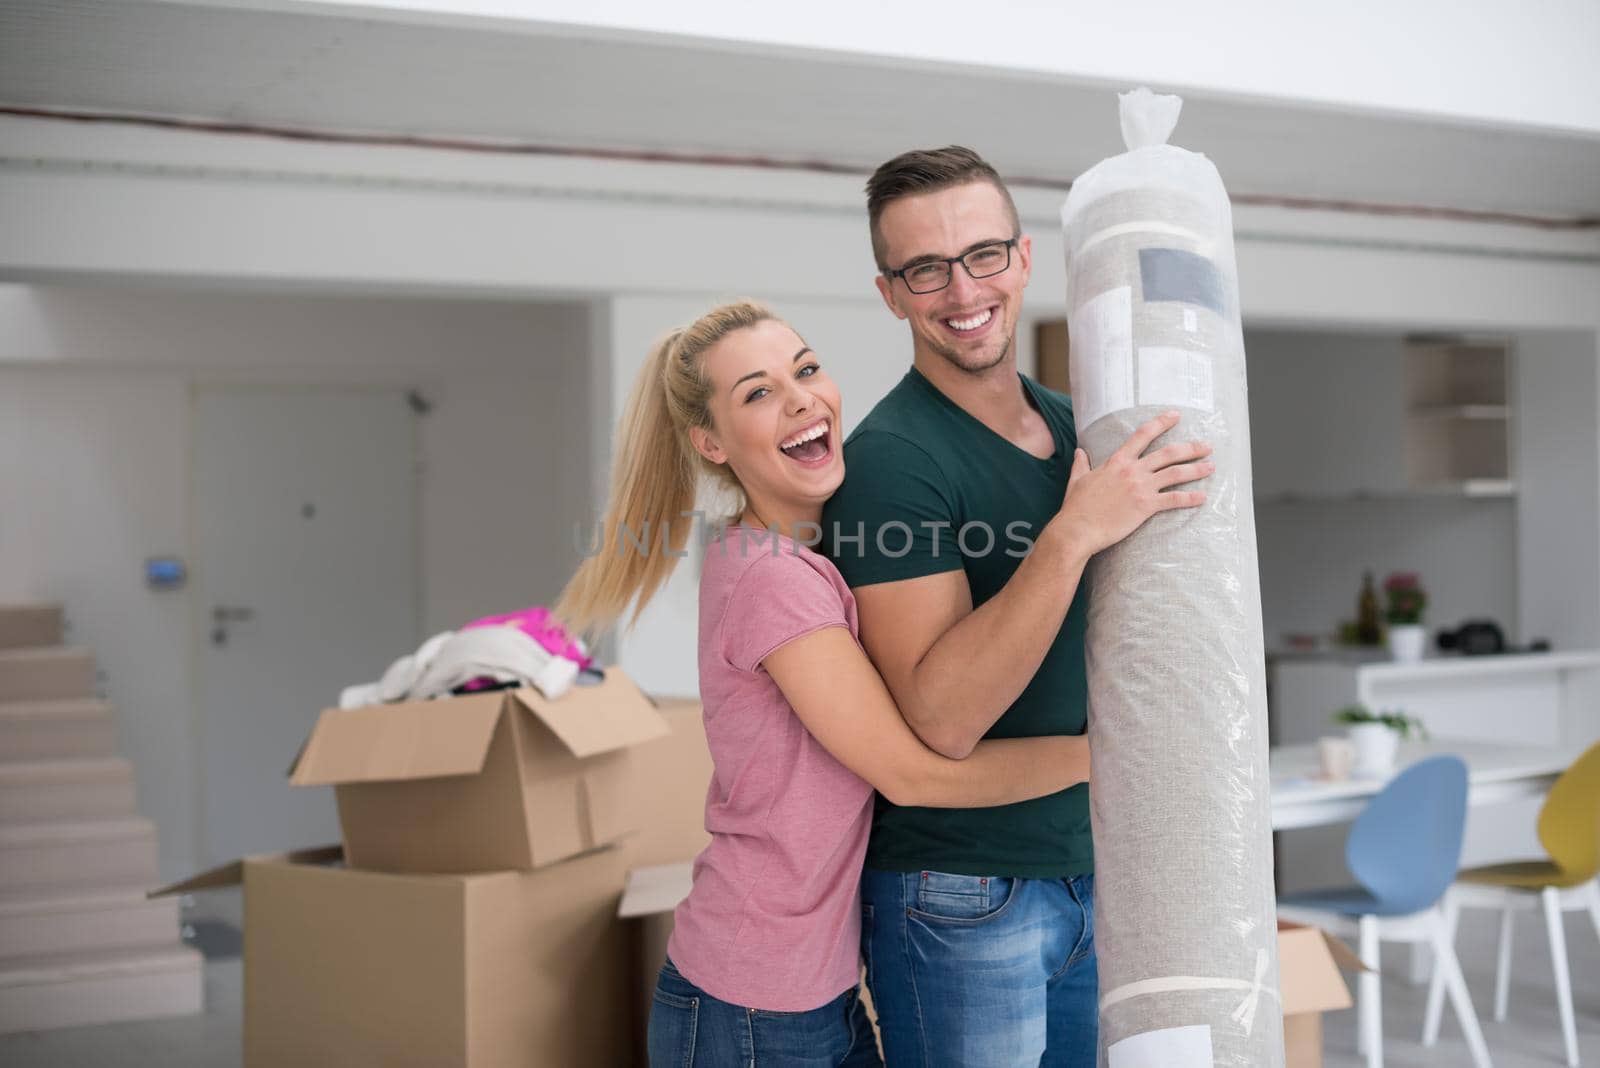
94 422
93 479
1557 391
506 474
1557 394
1313 555
1486 60
160 204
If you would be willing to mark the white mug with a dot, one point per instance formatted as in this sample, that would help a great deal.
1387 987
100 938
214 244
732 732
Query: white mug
1337 757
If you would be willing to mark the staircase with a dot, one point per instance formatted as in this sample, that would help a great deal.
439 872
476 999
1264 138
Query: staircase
79 943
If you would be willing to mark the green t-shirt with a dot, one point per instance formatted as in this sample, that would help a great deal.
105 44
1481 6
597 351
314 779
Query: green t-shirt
929 489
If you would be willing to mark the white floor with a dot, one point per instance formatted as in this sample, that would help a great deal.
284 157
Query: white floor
1530 1036
1531 1033
210 1040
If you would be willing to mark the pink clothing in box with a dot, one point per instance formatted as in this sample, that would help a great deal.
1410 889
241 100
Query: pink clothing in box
774 919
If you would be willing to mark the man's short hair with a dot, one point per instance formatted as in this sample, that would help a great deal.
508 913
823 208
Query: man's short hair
928 171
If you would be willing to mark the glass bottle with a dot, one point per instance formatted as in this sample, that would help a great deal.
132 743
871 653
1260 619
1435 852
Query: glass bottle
1369 629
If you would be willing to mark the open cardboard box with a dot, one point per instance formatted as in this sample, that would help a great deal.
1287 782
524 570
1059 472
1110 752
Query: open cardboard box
1308 959
671 776
488 782
507 969
513 968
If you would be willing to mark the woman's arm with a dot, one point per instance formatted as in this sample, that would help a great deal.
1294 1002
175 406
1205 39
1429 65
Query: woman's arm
843 702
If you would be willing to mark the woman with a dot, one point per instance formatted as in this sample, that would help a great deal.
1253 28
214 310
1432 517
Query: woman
763 961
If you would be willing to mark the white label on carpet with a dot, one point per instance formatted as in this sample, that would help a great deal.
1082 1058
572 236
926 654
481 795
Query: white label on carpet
1102 339
1177 378
1171 1047
1101 333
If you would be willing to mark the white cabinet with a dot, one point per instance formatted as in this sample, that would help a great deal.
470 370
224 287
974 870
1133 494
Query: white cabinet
1343 416
1458 418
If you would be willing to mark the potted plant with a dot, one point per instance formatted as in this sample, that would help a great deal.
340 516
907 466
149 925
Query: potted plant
1406 601
1376 736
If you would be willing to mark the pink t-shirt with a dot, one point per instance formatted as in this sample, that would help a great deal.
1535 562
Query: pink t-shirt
773 921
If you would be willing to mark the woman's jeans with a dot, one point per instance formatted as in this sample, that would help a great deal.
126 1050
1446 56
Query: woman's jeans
691 1029
969 971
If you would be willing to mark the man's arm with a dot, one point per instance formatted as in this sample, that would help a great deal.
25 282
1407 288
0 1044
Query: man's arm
954 670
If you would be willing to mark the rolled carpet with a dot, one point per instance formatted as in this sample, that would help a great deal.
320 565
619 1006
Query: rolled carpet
1185 925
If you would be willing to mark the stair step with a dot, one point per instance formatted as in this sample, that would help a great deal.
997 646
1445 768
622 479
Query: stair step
41 791
29 624
44 673
56 730
85 854
77 989
78 921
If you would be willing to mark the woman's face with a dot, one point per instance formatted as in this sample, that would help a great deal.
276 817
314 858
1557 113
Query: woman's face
775 418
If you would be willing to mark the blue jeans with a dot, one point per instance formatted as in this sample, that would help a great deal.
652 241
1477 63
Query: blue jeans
976 972
691 1029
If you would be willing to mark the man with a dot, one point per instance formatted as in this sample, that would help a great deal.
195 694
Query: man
963 526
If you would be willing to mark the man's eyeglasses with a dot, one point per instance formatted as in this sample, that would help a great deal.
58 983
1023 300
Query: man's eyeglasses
930 276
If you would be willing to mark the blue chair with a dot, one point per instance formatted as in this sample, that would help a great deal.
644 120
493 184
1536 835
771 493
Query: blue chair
1404 850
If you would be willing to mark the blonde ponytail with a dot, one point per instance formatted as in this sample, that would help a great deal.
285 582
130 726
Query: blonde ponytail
654 475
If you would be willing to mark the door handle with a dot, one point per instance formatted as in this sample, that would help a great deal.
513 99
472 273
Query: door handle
222 615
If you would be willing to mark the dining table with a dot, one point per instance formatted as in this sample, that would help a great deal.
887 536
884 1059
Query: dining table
1496 773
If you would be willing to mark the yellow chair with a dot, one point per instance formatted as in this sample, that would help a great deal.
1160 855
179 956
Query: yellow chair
1569 829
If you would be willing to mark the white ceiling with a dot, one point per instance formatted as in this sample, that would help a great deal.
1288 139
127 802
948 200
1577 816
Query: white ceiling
330 70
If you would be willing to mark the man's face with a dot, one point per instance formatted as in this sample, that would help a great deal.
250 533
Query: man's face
971 323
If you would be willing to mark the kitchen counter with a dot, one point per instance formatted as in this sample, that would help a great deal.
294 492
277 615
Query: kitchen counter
1512 697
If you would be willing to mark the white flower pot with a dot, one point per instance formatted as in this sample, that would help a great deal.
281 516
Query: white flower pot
1406 642
1375 746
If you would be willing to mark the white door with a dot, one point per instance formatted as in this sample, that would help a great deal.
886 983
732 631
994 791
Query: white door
305 580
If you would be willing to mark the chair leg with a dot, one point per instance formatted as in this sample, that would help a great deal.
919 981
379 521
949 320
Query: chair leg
1460 1000
1371 994
1550 898
1594 906
1502 968
1435 1009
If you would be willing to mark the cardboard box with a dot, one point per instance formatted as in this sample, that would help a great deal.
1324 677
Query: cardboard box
648 900
509 969
674 774
1308 959
1309 981
670 778
489 782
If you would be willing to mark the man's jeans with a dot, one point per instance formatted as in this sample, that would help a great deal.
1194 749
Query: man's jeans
981 972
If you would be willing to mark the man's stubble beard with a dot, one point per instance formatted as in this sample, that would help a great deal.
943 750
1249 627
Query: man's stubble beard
951 357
